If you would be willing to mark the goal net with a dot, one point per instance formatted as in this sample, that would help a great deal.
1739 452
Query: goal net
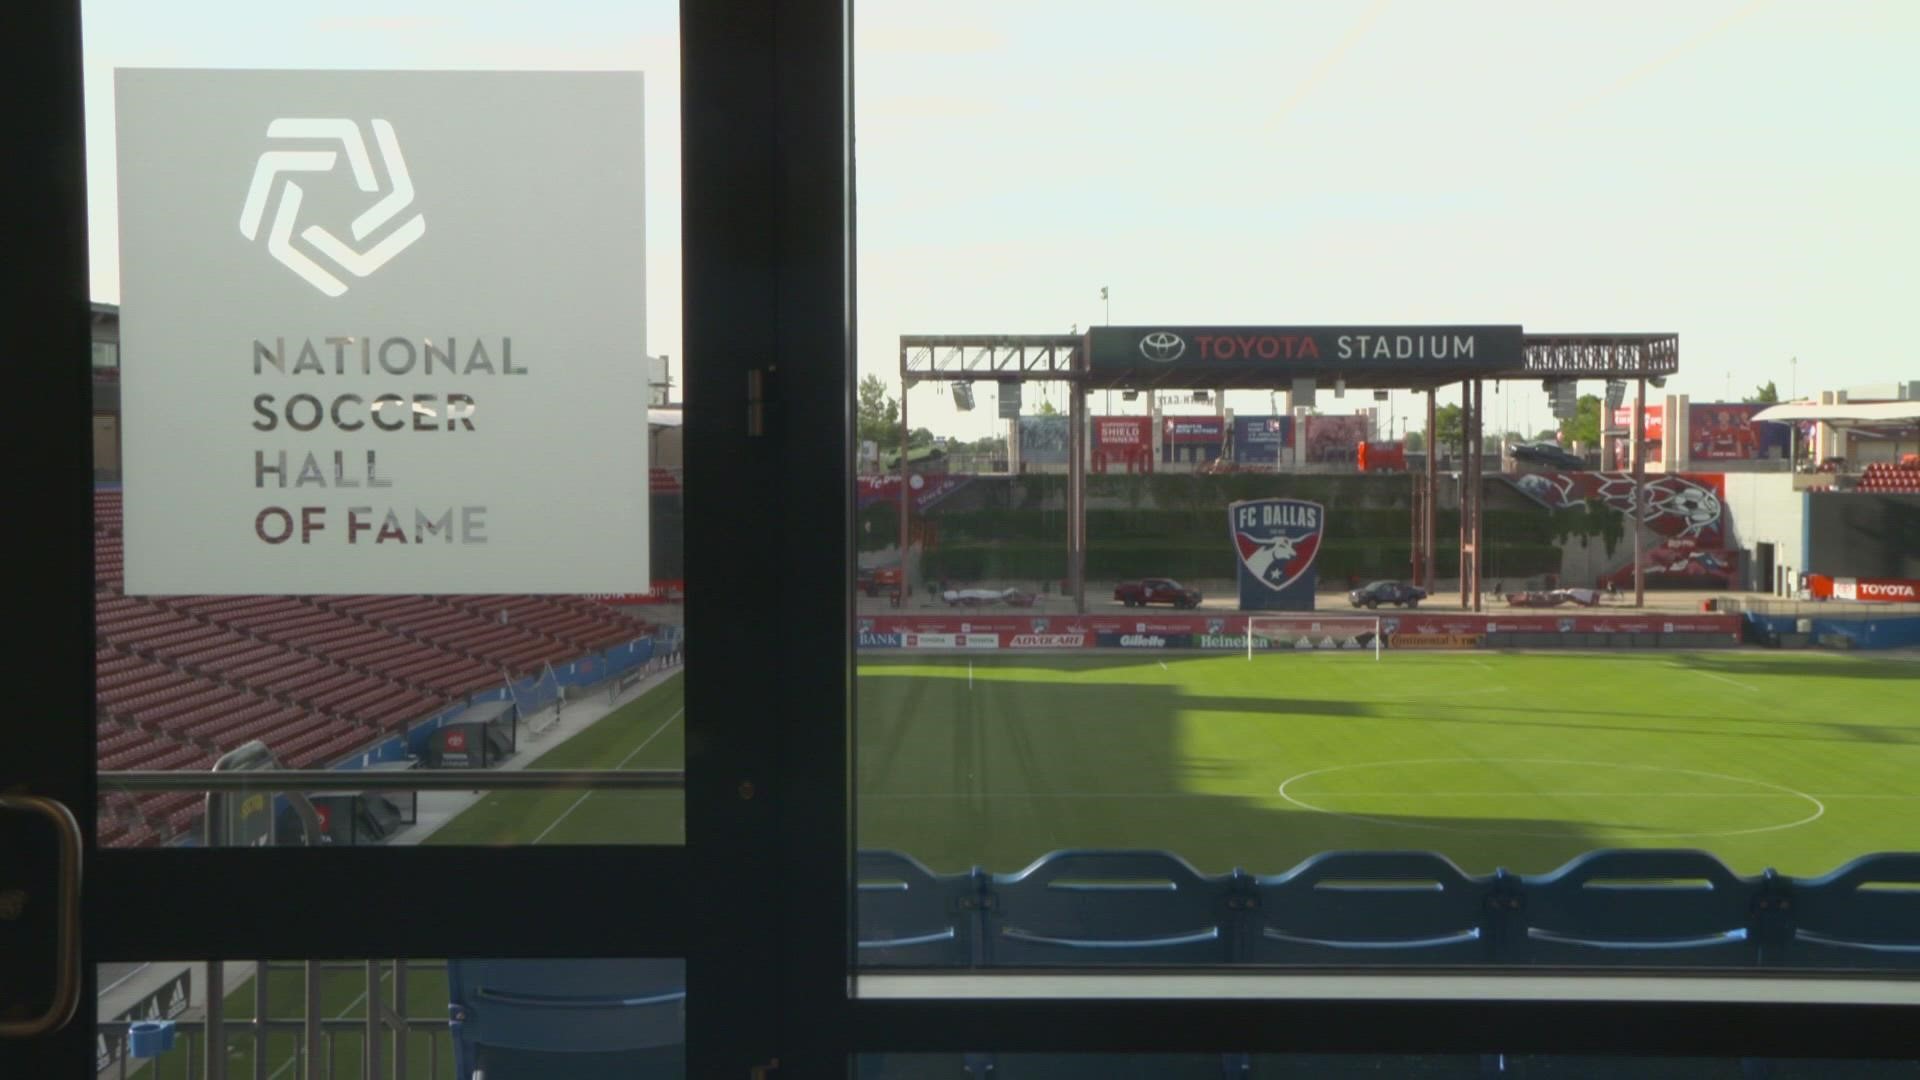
1313 632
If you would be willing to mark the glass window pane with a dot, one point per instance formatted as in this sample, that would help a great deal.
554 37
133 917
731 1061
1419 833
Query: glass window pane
387 314
1430 1067
1355 530
414 1019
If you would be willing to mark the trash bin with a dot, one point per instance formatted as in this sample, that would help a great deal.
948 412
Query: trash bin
149 1038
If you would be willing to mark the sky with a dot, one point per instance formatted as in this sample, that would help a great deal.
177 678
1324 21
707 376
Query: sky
1738 172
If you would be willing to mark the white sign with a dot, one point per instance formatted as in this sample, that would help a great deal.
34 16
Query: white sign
382 332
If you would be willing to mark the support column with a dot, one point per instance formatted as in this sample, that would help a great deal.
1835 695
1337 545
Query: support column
1639 488
1479 502
1076 494
1464 471
906 500
312 1049
1431 527
216 1020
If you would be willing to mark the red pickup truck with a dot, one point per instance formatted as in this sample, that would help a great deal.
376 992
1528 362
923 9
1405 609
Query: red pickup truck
1156 591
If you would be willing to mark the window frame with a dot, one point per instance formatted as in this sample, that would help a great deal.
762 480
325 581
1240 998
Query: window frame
767 929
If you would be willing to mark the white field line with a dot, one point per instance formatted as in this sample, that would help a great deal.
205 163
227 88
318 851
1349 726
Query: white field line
1722 678
1572 795
1324 795
588 794
351 1005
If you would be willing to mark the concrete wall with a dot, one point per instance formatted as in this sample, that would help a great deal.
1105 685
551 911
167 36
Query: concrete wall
1766 509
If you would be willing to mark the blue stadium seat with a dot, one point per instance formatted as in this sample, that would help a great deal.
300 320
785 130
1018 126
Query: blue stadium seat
1371 907
1865 914
582 1019
1671 908
908 916
1109 907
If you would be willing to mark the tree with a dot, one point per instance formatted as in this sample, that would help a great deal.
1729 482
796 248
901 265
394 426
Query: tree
1764 395
877 416
1584 428
919 437
1446 426
1047 409
1416 442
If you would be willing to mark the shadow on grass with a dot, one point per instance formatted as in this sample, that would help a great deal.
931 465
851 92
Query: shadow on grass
1837 665
1004 772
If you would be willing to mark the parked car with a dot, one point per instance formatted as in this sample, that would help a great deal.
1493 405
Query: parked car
1373 594
1156 591
1545 453
874 580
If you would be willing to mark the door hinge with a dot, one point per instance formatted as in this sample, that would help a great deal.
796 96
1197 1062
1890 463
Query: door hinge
758 391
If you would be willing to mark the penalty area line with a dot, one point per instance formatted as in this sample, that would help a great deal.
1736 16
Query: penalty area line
1724 679
588 794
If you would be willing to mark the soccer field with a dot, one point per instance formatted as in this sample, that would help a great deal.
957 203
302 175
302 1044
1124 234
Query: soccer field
1795 761
1519 760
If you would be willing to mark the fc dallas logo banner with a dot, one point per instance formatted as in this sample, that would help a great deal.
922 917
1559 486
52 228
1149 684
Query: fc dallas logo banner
1275 541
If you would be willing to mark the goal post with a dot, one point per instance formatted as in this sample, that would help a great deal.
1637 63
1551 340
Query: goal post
1315 632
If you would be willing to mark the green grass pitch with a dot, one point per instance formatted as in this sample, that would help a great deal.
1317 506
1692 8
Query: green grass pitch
1798 762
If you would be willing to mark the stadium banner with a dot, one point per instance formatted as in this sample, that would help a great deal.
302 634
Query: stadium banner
927 489
1257 439
1122 433
1435 641
1725 431
1229 631
1275 541
663 592
1688 511
1873 590
1122 442
1189 430
1145 641
1333 439
1651 421
1043 440
1219 355
949 641
343 368
1046 641
1237 642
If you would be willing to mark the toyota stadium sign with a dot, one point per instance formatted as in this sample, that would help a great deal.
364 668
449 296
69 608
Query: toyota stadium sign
1304 350
382 331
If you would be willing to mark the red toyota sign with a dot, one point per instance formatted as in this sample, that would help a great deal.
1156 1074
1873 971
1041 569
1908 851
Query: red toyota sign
1872 590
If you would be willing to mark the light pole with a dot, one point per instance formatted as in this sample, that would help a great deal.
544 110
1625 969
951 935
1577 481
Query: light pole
1107 304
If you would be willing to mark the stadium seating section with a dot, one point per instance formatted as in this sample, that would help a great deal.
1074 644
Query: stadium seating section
183 679
1129 909
1889 478
1608 908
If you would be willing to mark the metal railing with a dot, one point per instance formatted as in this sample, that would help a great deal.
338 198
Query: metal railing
314 1052
306 780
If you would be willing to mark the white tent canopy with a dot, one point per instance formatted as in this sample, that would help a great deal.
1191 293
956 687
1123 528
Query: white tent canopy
1884 413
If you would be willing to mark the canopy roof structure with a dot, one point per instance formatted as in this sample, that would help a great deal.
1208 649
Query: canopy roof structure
1272 357
1877 415
1293 358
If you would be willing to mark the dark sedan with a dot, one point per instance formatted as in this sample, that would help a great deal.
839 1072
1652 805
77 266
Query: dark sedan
1374 594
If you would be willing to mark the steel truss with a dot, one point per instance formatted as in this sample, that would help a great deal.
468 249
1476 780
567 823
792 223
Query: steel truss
1064 357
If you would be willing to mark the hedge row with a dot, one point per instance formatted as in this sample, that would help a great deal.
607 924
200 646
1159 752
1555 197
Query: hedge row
1338 560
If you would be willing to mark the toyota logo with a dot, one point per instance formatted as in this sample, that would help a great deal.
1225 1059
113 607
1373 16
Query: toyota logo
1162 346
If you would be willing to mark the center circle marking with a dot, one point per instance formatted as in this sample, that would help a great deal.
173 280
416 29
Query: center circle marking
1819 808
